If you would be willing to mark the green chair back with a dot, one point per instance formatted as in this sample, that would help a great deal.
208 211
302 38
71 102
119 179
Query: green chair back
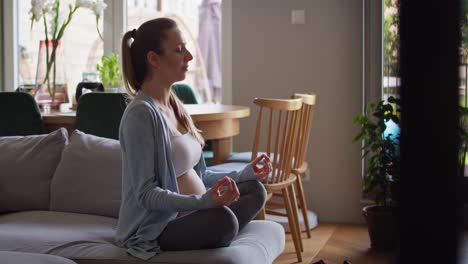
185 93
19 115
99 113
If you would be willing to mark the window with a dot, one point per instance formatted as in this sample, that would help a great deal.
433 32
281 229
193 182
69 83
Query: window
391 80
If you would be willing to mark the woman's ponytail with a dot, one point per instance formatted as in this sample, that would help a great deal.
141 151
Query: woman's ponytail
128 72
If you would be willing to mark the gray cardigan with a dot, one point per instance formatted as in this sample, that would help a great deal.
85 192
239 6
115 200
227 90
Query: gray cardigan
150 196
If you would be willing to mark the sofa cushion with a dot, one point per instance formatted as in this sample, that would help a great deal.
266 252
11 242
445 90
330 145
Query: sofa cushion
88 177
9 257
27 165
88 239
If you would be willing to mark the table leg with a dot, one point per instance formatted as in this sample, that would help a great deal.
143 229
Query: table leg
222 148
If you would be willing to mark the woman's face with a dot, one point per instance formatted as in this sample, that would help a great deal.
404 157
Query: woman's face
173 63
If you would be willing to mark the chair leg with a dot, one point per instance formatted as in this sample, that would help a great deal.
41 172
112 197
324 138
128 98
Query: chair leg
292 196
261 215
294 234
302 201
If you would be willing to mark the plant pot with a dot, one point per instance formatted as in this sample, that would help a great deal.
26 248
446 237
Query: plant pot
382 225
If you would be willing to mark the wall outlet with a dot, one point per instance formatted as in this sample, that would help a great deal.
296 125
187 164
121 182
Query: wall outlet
306 175
298 17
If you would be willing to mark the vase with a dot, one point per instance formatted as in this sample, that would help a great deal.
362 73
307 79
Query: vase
51 82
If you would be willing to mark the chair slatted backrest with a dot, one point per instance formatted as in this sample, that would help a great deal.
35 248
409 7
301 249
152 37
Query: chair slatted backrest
278 135
19 115
306 117
99 113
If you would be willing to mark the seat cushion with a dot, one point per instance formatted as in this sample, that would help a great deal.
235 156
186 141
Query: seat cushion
283 220
88 177
27 164
232 166
89 239
227 167
245 157
239 157
9 257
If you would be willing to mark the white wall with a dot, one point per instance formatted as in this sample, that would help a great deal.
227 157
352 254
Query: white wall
272 58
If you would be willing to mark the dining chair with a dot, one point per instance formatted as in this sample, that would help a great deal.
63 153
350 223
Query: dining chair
19 115
300 165
87 86
276 133
186 94
99 113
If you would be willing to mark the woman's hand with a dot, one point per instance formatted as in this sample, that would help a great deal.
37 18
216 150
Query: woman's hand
224 192
262 171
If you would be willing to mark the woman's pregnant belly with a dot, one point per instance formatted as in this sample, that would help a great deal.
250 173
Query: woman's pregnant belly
190 183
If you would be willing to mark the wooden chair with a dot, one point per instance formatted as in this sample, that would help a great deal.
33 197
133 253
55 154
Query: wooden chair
278 138
300 166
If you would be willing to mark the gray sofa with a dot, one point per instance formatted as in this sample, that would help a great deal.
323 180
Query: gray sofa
60 196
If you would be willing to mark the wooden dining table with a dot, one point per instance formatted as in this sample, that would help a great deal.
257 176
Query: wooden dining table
217 122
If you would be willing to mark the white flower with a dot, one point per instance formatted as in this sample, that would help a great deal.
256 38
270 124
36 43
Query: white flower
36 9
48 8
97 7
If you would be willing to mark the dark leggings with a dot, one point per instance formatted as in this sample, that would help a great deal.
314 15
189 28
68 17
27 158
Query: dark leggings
215 227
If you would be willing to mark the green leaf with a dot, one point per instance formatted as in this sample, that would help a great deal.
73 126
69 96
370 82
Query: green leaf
382 157
109 71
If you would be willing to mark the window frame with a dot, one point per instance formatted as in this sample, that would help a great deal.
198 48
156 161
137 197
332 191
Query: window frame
10 42
372 60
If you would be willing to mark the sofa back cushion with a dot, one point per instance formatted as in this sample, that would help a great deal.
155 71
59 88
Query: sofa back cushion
88 177
27 164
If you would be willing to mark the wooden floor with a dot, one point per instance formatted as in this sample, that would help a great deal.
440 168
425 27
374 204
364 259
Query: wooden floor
334 243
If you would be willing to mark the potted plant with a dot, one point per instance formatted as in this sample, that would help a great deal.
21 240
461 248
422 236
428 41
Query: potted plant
382 177
110 73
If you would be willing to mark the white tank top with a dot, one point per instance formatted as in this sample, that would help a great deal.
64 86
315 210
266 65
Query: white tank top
186 152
